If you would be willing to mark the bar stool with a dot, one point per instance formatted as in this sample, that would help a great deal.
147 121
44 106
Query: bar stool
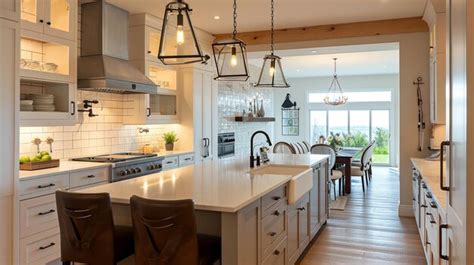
165 233
88 234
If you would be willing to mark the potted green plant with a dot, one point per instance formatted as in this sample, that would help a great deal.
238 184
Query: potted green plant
170 138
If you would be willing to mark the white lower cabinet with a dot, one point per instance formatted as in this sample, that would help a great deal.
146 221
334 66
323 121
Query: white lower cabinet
38 218
298 228
175 161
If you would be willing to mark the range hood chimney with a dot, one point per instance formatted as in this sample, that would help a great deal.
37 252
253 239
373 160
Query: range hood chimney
103 65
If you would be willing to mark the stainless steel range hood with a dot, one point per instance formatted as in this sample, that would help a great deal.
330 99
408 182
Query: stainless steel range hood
103 65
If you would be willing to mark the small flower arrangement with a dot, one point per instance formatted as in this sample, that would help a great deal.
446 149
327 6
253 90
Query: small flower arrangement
336 140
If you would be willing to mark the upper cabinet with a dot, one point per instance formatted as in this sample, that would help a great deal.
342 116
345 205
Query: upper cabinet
144 37
56 18
10 9
436 20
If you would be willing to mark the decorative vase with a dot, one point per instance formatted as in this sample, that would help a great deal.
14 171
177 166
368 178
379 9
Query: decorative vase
261 111
169 147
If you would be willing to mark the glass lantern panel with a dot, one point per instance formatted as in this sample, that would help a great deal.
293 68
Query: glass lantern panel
60 15
179 42
231 61
29 10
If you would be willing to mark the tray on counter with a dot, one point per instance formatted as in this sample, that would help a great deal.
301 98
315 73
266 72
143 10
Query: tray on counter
39 165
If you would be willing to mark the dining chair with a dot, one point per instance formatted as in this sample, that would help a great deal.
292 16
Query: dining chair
302 148
357 162
165 233
87 231
335 174
297 149
283 148
362 169
307 145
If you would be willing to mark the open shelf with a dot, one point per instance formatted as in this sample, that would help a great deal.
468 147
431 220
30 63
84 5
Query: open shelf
254 119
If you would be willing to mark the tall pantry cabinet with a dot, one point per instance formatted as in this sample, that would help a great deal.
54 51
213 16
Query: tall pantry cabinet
9 109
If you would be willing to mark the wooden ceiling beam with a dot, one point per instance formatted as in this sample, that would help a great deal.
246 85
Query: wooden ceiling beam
336 31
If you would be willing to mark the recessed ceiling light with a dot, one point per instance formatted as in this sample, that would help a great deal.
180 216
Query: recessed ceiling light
217 17
314 51
297 70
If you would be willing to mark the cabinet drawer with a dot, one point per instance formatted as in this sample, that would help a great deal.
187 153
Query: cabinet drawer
278 255
170 162
273 198
186 159
273 227
88 177
38 214
43 186
40 248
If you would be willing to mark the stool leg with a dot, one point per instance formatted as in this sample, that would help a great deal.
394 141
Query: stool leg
340 185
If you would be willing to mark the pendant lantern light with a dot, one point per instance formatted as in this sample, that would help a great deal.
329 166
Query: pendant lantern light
335 95
230 56
178 43
272 74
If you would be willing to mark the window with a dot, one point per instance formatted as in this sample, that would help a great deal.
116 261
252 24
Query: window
318 125
358 128
373 96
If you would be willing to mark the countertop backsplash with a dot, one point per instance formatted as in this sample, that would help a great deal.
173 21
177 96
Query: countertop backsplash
233 98
97 135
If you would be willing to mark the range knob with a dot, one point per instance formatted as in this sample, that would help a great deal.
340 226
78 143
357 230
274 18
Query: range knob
127 172
132 171
138 170
122 173
150 167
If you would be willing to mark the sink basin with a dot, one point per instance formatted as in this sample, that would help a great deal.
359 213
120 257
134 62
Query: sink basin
300 183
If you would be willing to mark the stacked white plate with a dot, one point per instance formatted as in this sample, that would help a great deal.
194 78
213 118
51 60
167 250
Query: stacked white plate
26 105
43 102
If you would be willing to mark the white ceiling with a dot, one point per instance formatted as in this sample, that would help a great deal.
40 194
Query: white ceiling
255 14
352 60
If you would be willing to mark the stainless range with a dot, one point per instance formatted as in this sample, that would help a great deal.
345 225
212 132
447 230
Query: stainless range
127 165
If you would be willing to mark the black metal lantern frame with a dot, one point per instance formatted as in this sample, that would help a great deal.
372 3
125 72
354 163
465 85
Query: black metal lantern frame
181 53
272 74
230 56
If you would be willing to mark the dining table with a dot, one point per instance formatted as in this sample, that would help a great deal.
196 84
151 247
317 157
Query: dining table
344 157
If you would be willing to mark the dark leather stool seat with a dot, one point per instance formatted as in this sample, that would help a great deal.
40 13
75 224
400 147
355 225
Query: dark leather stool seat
87 230
165 234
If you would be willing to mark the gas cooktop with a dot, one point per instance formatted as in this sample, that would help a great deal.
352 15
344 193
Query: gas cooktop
114 158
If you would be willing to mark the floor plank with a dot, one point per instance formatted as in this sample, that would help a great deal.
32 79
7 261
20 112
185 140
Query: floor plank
369 231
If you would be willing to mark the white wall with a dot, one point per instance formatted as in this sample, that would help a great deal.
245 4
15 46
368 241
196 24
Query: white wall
414 62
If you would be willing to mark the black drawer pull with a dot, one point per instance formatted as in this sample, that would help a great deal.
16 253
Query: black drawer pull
429 196
423 206
169 162
301 209
276 252
276 213
91 176
276 198
46 186
433 205
47 212
188 158
47 246
272 234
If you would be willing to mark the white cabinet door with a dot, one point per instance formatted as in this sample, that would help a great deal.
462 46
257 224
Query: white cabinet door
32 15
459 115
10 9
61 18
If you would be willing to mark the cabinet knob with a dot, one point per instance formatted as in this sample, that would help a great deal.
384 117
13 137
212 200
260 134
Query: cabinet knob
276 198
276 213
41 21
48 23
276 252
272 234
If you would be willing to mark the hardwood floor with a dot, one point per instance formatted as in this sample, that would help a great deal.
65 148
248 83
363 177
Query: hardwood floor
369 230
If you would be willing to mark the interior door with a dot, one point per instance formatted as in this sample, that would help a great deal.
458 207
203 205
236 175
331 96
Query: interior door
456 173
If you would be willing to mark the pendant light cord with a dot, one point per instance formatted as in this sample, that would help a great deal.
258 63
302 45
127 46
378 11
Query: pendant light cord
272 21
234 33
335 67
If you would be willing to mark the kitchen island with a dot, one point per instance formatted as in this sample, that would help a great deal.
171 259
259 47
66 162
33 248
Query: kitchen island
265 215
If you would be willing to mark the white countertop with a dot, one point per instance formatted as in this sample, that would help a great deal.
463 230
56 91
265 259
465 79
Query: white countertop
173 153
429 171
224 185
65 166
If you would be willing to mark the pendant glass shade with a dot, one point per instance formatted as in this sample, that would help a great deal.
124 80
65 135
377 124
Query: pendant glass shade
231 60
335 95
272 74
178 43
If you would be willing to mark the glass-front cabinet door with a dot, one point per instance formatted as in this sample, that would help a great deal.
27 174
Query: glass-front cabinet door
52 17
162 108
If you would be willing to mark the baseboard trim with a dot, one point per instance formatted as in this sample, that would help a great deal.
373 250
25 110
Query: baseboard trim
405 210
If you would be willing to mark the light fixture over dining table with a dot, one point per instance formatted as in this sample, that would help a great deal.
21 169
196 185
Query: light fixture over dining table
335 95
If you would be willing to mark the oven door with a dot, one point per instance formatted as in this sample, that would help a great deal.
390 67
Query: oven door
226 149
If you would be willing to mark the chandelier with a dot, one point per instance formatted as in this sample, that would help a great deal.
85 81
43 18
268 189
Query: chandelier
335 95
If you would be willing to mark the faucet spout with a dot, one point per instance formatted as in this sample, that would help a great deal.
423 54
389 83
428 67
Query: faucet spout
252 158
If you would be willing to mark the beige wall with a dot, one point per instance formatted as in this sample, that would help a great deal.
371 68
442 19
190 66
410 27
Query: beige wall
414 62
